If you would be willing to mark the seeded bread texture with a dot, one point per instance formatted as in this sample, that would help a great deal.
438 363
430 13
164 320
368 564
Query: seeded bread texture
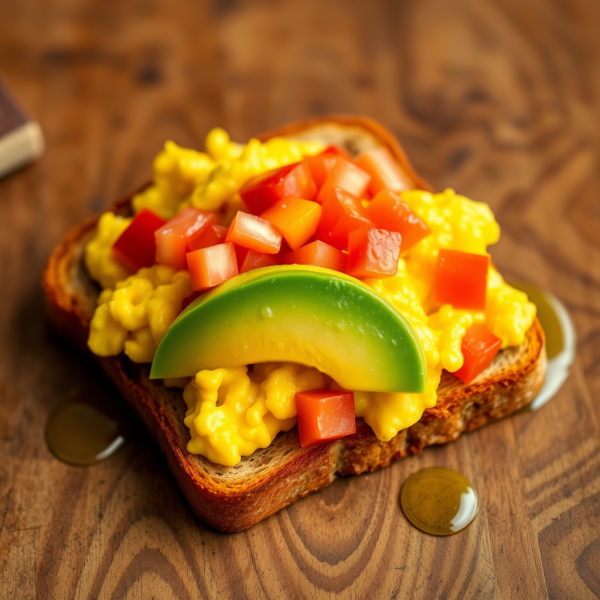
234 498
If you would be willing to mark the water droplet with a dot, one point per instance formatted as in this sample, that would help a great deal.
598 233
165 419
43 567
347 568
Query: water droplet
266 312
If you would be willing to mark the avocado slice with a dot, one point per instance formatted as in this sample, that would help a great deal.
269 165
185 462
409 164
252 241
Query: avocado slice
296 313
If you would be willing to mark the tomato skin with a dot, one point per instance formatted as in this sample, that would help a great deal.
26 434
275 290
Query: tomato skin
346 176
136 246
373 253
461 279
211 266
479 348
342 213
211 235
387 210
248 260
297 219
324 416
321 165
250 231
384 170
173 239
319 254
262 191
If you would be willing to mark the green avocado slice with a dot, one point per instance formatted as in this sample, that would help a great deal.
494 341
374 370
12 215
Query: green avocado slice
296 313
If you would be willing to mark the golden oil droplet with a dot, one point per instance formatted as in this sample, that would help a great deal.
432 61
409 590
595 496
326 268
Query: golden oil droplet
439 501
85 429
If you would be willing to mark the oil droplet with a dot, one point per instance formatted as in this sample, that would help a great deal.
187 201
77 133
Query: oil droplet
266 312
439 501
560 340
85 429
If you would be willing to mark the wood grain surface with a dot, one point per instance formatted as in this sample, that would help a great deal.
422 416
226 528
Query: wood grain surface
498 99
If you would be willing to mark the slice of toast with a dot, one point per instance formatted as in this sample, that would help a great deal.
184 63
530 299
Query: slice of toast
234 498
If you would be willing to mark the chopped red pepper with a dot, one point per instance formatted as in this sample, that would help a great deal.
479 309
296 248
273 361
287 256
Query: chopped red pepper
479 347
209 236
373 253
248 260
262 191
384 170
177 236
255 233
211 266
324 416
342 213
318 254
136 246
461 279
297 219
321 165
346 176
389 211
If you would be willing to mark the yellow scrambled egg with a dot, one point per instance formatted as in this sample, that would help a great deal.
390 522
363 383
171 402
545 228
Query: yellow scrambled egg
233 412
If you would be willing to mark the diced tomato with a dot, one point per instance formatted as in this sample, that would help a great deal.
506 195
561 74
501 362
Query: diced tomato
209 236
461 279
262 191
479 347
319 254
321 165
324 416
346 176
384 170
248 260
136 246
255 233
297 219
389 211
334 150
373 253
211 266
176 237
342 213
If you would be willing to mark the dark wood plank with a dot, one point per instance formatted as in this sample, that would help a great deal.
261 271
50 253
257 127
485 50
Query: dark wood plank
500 100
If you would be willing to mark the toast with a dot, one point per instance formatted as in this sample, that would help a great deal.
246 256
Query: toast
234 498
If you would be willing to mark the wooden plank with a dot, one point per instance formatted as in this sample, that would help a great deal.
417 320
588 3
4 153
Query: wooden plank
499 100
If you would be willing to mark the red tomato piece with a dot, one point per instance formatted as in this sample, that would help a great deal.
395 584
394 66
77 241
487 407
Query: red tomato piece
211 266
389 211
461 279
334 150
321 165
250 231
373 253
479 347
297 219
324 416
262 191
175 238
248 260
346 176
384 170
209 236
319 254
136 246
342 213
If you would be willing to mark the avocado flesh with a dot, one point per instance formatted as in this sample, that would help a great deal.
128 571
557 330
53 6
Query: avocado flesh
307 315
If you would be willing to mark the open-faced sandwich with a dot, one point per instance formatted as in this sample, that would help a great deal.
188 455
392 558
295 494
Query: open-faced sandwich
296 308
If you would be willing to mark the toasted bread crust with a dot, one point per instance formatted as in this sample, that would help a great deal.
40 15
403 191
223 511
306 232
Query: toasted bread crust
234 498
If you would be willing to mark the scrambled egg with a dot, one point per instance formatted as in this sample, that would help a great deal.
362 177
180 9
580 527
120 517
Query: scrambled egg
135 316
101 264
233 412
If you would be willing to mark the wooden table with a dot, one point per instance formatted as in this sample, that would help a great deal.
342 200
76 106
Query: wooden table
499 100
